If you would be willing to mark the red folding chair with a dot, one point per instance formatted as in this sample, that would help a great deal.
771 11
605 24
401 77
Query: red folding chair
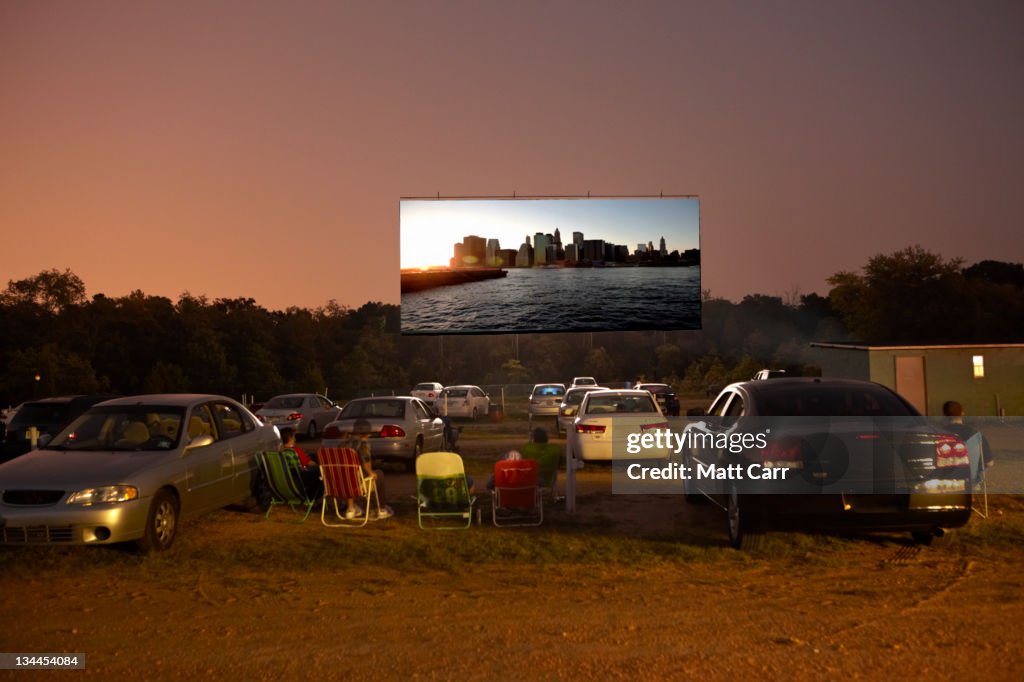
516 499
344 479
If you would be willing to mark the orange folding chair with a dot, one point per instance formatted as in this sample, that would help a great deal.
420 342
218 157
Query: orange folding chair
344 479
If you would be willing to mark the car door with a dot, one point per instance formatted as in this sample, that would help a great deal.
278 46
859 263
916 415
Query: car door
480 400
239 433
328 412
431 428
209 470
703 452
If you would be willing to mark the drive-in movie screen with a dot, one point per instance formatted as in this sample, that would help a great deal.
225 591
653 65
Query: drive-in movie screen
460 340
545 265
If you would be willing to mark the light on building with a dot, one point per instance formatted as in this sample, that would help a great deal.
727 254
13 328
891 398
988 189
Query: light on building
979 366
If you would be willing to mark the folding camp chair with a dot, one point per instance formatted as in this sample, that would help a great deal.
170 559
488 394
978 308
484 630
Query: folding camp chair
282 473
549 456
443 492
516 499
344 479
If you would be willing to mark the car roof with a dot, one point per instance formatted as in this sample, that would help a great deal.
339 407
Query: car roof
761 386
293 395
462 386
382 397
623 391
168 399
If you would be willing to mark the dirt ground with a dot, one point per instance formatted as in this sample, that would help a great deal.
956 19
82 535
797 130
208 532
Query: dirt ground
867 607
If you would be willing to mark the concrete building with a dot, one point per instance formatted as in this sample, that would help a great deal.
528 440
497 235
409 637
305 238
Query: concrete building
577 240
987 379
491 254
571 253
507 257
540 247
524 259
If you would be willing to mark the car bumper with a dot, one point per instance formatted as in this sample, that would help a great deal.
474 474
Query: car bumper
866 512
592 450
73 525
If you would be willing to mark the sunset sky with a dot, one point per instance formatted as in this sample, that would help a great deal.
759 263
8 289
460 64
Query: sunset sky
259 149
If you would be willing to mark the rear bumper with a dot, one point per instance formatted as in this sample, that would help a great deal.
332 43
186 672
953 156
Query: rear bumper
863 512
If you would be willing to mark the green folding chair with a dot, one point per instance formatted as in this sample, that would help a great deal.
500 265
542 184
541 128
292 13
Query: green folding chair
549 457
443 492
282 473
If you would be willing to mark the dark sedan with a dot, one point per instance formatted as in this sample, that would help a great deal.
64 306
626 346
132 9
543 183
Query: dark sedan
833 453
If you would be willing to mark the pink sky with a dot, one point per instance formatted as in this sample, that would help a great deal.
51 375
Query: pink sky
259 149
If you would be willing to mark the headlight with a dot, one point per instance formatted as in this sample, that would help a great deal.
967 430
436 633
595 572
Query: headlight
108 493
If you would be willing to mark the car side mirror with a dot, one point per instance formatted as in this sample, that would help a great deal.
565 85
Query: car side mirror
200 441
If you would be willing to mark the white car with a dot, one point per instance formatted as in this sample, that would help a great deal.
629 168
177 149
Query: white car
307 413
607 418
583 381
462 401
427 391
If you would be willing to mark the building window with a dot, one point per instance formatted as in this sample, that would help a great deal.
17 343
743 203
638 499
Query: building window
979 366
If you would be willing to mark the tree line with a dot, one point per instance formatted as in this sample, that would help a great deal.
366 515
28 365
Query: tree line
57 340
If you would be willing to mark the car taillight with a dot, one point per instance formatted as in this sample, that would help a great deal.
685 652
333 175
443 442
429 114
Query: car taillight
331 431
590 428
783 453
294 416
392 431
659 425
430 394
950 451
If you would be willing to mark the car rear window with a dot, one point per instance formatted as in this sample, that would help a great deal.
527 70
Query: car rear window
456 392
830 401
392 409
39 414
549 391
285 403
424 387
620 404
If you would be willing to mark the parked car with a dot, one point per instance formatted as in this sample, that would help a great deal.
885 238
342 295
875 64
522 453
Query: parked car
403 427
583 381
545 400
307 413
48 416
132 469
427 391
665 395
570 404
607 418
463 401
861 455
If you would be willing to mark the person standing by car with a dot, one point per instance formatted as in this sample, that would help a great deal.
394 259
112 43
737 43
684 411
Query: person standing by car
359 440
309 469
954 413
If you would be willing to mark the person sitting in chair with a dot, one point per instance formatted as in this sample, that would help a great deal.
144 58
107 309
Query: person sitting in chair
548 455
309 469
359 440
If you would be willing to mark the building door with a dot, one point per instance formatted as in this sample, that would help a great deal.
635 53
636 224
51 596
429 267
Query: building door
910 381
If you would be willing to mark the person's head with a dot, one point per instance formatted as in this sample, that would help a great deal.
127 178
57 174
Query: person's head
361 428
287 436
952 408
540 435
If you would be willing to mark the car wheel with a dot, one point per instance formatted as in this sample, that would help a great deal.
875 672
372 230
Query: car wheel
932 538
311 431
417 450
743 532
161 524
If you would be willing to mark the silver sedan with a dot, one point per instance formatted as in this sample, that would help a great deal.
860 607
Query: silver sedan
132 469
400 428
307 413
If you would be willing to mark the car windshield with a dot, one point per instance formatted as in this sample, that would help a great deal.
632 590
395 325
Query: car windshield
392 409
128 427
40 414
456 392
284 402
619 404
830 401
